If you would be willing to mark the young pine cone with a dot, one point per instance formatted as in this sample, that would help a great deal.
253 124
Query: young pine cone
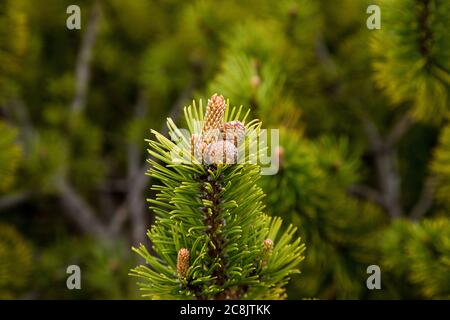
218 141
213 118
183 262
267 251
268 245
197 146
220 152
233 131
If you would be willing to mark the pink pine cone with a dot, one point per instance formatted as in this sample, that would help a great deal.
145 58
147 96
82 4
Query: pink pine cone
233 131
220 152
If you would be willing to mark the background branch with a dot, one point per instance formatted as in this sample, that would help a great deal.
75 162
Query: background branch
367 193
13 199
79 211
399 130
384 153
82 69
134 203
425 200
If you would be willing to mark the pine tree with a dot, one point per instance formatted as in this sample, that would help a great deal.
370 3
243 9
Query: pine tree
346 99
211 237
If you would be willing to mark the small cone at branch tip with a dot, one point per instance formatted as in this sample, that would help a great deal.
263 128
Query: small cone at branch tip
218 141
268 244
214 113
233 131
220 152
183 262
197 146
267 251
194 141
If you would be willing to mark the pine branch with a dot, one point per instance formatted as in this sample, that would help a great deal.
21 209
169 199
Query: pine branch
213 221
211 238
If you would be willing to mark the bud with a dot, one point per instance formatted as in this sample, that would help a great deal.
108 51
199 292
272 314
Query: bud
182 262
267 251
220 152
268 245
233 131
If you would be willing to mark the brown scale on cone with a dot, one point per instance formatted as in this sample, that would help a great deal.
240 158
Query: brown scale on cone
183 262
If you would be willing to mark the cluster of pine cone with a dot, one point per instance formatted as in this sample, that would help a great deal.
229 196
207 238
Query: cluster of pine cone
219 140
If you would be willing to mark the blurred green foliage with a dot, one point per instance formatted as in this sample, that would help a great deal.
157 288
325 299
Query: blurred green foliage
9 157
102 270
15 263
310 68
